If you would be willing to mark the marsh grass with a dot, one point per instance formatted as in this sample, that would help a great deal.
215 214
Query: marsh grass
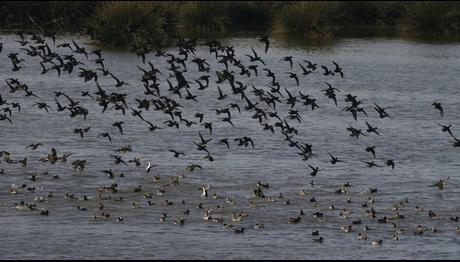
53 15
133 23
204 16
372 13
431 18
308 18
136 23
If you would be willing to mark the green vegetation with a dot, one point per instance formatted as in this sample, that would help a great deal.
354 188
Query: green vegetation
117 23
133 23
311 18
442 17
205 16
373 13
54 15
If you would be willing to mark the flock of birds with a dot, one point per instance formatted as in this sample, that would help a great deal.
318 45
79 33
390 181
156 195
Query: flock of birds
262 103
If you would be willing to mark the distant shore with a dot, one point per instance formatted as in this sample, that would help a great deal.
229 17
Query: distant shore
138 24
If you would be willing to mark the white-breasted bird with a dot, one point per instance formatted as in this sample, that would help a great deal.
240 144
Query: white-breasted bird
149 166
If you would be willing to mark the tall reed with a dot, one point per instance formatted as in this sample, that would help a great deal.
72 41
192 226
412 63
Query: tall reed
133 23
310 18
432 17
137 23
204 16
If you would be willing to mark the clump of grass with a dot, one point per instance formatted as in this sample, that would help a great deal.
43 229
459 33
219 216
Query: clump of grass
204 16
371 12
72 14
133 23
52 15
308 18
432 17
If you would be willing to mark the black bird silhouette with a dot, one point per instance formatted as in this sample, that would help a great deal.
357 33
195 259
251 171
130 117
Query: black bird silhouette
266 126
109 173
80 50
334 160
137 113
190 96
30 93
390 162
371 128
221 95
338 69
192 167
310 65
86 93
106 134
355 132
200 116
315 170
228 119
16 105
265 40
234 105
202 87
225 141
327 71
5 117
291 100
255 58
119 125
309 101
152 127
118 159
2 101
287 59
439 107
97 52
447 129
330 92
371 149
172 123
34 146
7 110
119 83
81 131
244 141
208 125
381 111
208 157
42 106
65 45
294 76
270 74
304 70
253 68
150 166
371 164
177 153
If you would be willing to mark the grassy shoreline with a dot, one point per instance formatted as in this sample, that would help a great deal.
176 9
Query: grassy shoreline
137 24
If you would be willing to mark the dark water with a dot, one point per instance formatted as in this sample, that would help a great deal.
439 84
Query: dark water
403 76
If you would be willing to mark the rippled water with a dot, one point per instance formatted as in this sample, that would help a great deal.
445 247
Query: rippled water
403 76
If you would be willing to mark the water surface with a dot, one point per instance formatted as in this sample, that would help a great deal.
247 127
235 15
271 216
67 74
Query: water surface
404 76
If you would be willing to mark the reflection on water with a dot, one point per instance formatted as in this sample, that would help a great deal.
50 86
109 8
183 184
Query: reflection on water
403 76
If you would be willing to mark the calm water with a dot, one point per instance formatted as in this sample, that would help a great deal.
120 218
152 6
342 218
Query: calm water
403 76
